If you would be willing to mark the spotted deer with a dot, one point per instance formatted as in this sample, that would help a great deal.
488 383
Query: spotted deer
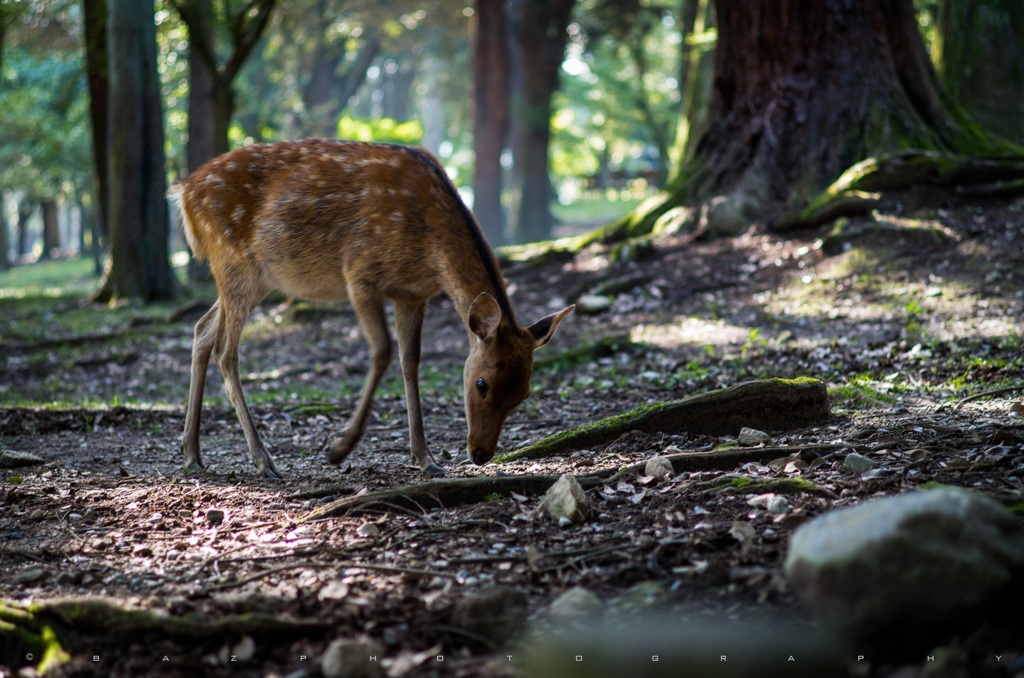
330 220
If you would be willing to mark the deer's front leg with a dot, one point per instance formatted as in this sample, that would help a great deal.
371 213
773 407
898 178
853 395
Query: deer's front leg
370 311
409 324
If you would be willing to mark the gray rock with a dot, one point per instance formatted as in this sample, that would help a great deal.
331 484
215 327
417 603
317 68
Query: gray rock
30 576
565 501
751 437
659 467
857 463
593 303
576 604
920 558
645 596
351 658
15 459
497 613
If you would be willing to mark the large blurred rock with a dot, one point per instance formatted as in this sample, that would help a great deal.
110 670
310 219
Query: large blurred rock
921 558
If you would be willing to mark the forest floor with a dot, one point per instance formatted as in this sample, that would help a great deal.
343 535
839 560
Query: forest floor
903 315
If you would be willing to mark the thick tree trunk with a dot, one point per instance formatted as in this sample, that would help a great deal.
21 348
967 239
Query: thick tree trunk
138 265
5 239
803 90
97 60
51 237
542 35
24 212
490 115
979 52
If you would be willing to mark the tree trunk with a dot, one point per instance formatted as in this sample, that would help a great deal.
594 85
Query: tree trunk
542 34
979 53
203 124
790 111
695 61
24 212
490 115
51 238
97 60
5 239
138 265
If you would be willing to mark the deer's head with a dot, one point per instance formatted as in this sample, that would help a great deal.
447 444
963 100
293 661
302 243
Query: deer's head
498 370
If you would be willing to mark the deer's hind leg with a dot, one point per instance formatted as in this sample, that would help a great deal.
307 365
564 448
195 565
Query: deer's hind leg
235 307
206 333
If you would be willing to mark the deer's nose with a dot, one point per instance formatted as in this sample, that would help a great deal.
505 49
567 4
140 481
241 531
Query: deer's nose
480 456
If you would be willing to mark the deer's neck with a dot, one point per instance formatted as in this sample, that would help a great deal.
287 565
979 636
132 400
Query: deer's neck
471 269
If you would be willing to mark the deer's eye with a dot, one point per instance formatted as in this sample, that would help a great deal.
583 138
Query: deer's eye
481 386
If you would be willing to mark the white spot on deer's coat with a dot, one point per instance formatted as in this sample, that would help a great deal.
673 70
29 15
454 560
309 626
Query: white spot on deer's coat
237 214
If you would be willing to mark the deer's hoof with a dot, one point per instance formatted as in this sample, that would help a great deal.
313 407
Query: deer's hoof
273 474
195 467
434 471
340 449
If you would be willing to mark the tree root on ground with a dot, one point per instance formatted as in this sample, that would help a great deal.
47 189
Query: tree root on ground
451 492
51 629
770 404
857 191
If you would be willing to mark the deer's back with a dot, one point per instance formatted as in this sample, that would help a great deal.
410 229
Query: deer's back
310 217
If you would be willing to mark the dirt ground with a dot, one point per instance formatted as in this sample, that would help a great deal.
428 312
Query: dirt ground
903 316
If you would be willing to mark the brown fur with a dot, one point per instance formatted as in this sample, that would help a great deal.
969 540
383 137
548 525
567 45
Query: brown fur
331 220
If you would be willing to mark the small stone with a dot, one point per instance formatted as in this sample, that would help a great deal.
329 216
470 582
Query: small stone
214 516
751 437
857 463
497 613
659 467
777 504
30 576
576 604
37 514
15 459
349 658
593 303
646 595
244 650
565 501
368 530
66 579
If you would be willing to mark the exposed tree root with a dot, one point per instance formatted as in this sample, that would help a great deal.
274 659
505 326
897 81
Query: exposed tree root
856 191
455 491
772 404
444 493
53 629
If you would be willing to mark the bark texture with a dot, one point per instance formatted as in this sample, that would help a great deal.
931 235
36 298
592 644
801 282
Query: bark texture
490 115
541 35
802 90
139 264
773 404
979 52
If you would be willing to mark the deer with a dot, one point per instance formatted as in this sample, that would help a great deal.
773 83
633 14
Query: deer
333 220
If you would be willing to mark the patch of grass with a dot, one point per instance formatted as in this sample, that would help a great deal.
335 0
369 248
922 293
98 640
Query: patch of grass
860 390
750 484
49 279
595 210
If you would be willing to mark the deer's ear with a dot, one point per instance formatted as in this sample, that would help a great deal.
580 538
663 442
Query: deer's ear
484 316
546 326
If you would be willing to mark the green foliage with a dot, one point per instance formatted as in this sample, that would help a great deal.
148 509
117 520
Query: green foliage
45 150
387 130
